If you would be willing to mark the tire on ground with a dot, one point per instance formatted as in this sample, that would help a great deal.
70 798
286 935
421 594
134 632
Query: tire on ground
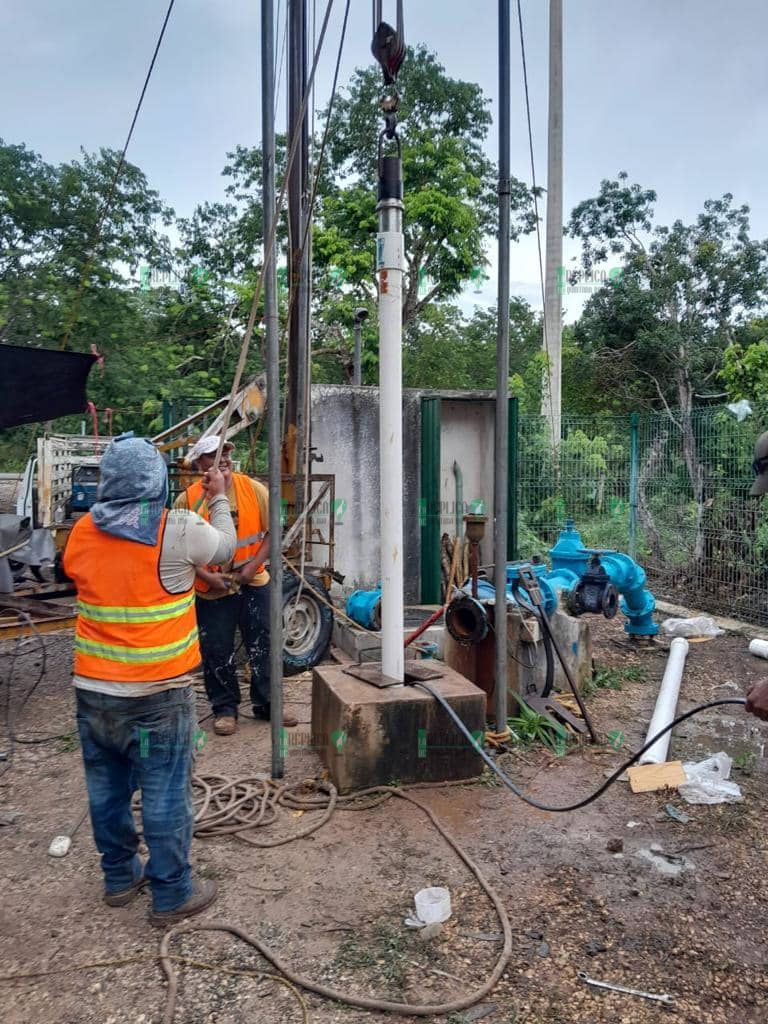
307 623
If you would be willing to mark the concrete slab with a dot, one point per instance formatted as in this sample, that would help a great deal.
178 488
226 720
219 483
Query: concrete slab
361 642
369 736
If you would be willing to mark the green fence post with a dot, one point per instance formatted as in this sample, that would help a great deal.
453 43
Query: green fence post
634 424
512 479
167 421
429 502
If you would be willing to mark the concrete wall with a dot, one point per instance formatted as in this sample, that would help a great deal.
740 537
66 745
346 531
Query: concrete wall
466 437
345 431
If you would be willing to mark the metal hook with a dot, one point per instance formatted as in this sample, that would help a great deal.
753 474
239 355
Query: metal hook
388 46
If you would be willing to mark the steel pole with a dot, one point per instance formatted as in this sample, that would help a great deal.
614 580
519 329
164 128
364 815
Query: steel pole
272 331
554 281
389 268
357 372
501 441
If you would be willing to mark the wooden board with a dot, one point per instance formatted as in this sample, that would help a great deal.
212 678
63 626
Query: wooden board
646 778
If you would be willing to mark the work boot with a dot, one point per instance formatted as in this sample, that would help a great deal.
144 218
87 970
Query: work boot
263 713
125 896
225 726
204 892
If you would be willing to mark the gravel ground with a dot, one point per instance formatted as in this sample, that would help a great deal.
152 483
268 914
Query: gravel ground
332 905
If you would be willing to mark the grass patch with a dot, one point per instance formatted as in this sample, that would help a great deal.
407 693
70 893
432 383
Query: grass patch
606 677
530 728
69 742
384 954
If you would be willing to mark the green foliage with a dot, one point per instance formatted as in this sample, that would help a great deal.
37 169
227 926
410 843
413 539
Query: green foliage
605 677
658 334
528 728
450 204
745 363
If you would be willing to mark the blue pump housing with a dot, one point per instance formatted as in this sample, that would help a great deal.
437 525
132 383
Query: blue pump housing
364 608
569 563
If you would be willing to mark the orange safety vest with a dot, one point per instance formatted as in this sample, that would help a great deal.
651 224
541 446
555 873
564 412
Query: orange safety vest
250 529
129 628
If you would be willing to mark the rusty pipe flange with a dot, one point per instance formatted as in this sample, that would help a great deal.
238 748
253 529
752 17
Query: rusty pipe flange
466 620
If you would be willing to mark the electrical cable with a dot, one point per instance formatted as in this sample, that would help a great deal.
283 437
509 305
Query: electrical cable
113 186
532 801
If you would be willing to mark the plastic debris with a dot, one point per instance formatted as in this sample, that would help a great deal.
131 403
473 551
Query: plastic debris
699 625
740 409
672 812
433 906
707 781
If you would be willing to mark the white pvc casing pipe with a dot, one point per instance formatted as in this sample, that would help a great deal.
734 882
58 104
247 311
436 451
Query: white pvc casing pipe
759 648
389 264
666 702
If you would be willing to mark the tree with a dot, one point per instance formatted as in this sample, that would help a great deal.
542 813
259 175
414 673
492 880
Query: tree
684 292
450 184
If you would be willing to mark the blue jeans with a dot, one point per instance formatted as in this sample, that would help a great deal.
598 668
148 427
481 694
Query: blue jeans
217 622
144 743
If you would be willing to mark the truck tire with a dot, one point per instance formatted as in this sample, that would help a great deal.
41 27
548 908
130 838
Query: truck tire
307 623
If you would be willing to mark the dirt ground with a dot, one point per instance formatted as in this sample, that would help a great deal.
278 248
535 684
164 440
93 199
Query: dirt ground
332 905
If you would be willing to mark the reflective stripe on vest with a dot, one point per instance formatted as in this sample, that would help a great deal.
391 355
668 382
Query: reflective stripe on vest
250 531
134 655
129 628
153 613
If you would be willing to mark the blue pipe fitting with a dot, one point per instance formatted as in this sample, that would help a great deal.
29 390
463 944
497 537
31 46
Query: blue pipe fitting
364 608
570 560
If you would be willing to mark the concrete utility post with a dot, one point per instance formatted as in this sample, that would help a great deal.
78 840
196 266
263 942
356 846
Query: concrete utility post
555 275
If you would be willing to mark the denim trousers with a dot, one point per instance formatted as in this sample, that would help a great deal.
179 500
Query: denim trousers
217 622
145 743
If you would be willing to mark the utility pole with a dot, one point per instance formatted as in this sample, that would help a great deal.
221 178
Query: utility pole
501 445
272 332
555 274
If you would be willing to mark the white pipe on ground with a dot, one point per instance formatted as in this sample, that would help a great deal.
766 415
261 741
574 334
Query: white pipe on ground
666 702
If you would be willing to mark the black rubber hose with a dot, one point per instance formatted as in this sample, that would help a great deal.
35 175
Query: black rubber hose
608 782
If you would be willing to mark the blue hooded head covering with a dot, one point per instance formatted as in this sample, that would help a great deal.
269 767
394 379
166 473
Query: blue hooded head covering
133 490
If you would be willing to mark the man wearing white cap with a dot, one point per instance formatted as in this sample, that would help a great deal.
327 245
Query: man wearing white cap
234 595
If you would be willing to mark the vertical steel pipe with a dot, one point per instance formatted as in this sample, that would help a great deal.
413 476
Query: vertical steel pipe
272 332
501 441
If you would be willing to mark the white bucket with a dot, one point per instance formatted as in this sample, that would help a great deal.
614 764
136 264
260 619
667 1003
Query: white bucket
433 905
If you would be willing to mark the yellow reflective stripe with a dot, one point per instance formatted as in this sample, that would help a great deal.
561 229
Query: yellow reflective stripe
128 655
148 613
250 540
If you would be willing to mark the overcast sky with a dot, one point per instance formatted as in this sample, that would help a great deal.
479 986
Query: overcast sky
673 91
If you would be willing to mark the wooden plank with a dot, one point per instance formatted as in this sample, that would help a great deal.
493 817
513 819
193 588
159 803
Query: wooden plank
647 778
14 629
36 609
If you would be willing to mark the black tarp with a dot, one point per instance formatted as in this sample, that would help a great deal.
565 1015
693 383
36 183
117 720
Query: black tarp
38 384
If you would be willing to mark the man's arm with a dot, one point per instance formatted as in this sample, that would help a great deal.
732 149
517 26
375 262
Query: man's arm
191 542
757 701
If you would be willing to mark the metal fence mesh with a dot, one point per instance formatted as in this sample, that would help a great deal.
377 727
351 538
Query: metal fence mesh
672 491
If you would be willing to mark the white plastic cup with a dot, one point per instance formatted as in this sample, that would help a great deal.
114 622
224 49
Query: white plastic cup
433 904
759 648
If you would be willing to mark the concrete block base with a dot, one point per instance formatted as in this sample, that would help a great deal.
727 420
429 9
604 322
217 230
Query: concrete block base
369 736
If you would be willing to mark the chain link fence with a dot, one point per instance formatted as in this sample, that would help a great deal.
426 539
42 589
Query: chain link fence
669 489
